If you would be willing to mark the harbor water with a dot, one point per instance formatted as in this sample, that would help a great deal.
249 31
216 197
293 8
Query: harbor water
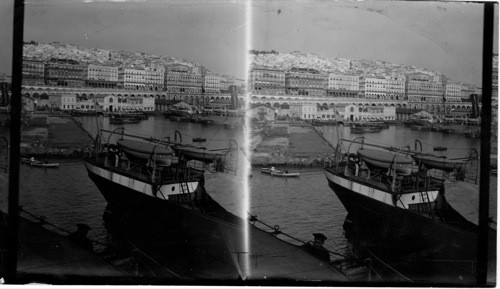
299 206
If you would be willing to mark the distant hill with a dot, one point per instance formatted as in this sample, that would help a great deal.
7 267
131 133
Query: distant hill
287 60
47 51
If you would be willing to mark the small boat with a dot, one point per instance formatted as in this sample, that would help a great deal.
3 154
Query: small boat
38 164
365 129
438 148
207 121
472 134
116 120
377 159
420 127
269 171
199 139
439 163
142 151
180 118
44 165
448 130
285 174
199 154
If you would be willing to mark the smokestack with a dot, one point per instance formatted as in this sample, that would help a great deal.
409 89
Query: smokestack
234 96
4 91
474 99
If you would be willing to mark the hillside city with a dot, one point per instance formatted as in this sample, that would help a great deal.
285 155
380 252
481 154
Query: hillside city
323 86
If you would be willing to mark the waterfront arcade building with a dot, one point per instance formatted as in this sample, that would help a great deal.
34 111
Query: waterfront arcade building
267 81
373 87
33 72
101 76
395 89
424 92
305 82
343 86
182 83
211 83
65 72
453 92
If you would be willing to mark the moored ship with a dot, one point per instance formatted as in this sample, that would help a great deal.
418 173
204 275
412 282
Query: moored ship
154 193
402 212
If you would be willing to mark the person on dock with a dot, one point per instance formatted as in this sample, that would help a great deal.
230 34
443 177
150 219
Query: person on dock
80 237
316 248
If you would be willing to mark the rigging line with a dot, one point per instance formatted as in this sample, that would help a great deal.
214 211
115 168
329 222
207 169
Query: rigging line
277 231
216 132
150 258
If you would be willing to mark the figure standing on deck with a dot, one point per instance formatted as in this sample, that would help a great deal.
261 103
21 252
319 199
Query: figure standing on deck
80 237
316 248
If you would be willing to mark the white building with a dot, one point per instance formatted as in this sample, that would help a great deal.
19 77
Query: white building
304 111
68 102
154 78
148 103
348 112
453 92
373 87
133 79
211 83
343 82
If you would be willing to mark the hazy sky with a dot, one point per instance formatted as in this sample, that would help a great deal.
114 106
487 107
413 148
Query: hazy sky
446 37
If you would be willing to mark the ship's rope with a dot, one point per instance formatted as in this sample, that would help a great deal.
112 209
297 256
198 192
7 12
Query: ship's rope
276 231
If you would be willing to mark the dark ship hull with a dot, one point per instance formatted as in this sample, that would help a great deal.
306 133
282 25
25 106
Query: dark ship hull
394 231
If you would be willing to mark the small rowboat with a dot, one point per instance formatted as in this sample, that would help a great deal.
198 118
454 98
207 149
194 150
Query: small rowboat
44 165
440 148
269 171
145 151
385 160
439 163
199 154
285 174
38 164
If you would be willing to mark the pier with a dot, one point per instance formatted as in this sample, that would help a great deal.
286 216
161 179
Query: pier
53 135
294 144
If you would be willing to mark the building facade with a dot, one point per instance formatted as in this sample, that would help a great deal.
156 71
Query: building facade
65 72
423 92
154 78
211 83
267 81
101 76
305 81
33 72
453 92
132 78
373 87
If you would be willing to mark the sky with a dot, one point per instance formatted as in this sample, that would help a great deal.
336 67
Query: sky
441 36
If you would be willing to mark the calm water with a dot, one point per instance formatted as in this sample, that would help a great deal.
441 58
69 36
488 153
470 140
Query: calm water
302 206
